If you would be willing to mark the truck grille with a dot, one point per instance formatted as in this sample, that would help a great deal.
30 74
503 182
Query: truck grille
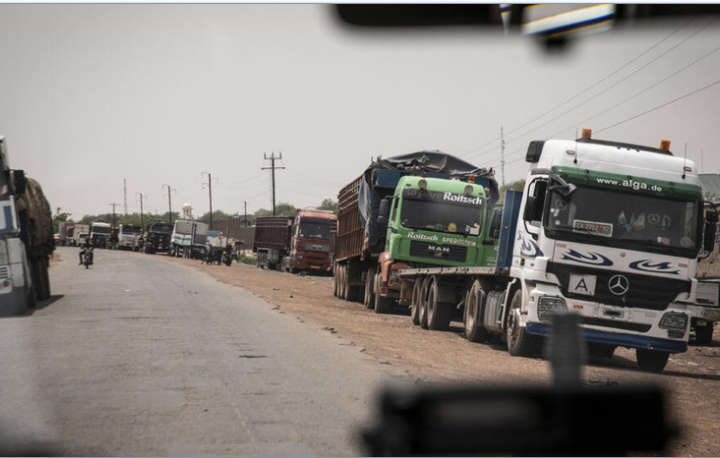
4 272
439 252
645 292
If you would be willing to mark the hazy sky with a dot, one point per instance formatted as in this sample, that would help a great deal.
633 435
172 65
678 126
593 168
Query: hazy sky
158 94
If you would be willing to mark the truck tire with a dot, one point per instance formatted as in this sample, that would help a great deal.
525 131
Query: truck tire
336 281
704 333
343 282
382 304
439 314
651 360
474 332
369 299
416 301
422 305
519 342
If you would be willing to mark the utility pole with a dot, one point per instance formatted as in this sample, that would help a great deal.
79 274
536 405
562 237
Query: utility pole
246 221
502 157
209 183
142 217
272 167
169 202
114 219
125 189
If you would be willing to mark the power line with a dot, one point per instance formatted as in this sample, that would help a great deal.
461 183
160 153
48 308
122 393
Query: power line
622 80
660 106
644 90
579 93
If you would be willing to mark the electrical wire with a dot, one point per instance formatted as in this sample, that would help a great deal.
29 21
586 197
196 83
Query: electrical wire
660 106
576 95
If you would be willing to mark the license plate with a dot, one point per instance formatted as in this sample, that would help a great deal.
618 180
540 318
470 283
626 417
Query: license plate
582 284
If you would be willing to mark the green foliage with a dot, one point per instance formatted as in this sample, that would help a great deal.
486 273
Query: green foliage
518 185
132 218
217 216
281 209
60 217
329 204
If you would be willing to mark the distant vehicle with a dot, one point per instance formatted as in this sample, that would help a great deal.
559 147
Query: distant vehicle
272 241
158 237
188 238
100 233
78 229
125 235
309 248
81 238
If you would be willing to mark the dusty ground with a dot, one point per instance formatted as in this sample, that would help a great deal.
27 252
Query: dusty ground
692 379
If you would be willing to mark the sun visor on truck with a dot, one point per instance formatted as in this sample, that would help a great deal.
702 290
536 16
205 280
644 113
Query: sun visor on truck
382 176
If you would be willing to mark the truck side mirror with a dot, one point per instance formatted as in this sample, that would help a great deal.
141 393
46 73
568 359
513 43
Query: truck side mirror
495 223
383 212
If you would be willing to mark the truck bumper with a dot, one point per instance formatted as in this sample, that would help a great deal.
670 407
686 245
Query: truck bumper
623 340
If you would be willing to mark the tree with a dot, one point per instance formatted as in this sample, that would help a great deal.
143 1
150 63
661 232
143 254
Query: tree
60 217
329 204
281 209
518 185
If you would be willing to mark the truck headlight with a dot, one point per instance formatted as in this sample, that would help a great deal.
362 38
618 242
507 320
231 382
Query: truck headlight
298 257
4 258
547 305
674 320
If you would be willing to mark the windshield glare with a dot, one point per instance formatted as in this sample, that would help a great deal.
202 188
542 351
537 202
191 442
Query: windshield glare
439 216
624 219
318 231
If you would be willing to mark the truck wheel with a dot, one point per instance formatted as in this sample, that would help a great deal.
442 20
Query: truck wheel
336 281
415 304
343 283
439 314
473 332
704 333
369 301
519 342
422 305
651 360
382 304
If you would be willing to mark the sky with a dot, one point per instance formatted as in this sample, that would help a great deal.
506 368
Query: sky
166 95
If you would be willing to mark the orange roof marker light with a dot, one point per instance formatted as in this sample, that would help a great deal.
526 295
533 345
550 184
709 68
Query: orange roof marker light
665 144
586 134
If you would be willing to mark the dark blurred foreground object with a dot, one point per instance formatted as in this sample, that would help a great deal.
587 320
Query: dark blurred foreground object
608 421
565 419
554 25
388 15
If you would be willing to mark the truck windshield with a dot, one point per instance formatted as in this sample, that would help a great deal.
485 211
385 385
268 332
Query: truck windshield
433 211
624 220
164 228
101 229
318 231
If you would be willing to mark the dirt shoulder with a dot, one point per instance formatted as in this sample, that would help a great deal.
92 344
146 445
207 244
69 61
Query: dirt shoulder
692 379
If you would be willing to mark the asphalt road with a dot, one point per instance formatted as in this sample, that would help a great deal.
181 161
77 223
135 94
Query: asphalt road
141 356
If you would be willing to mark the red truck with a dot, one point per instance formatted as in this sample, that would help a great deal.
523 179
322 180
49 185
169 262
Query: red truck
295 244
310 241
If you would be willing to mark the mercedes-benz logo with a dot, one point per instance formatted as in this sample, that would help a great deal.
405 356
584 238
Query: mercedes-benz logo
618 285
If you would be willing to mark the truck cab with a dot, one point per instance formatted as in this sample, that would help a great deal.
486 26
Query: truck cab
610 231
310 241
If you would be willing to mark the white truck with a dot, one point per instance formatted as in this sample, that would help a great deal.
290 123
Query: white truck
100 233
125 235
608 230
